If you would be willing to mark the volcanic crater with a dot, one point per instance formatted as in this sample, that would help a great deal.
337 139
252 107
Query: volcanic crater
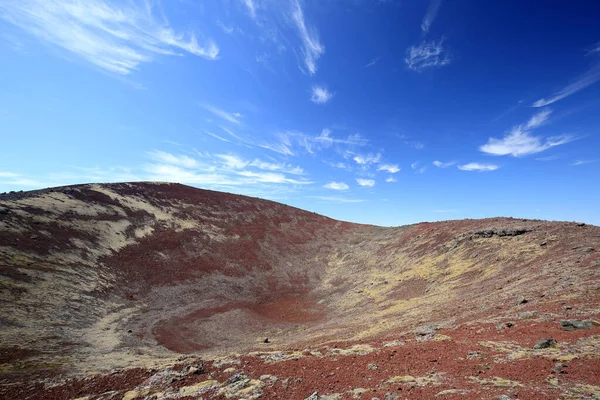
159 290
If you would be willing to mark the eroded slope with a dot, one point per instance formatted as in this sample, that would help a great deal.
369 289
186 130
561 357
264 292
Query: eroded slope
94 277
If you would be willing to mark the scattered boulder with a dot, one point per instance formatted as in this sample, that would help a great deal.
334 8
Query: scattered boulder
545 343
521 300
580 223
559 368
574 324
504 325
314 396
372 367
502 232
4 211
527 315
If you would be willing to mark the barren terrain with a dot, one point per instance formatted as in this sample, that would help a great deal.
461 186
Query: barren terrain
163 291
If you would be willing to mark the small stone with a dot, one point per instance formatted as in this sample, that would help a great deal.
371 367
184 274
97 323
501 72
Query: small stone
4 211
580 224
372 367
545 343
559 368
314 396
266 340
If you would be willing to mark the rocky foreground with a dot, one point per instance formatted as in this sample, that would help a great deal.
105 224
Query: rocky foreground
157 291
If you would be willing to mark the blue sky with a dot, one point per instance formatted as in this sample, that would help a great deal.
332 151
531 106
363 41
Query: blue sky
383 112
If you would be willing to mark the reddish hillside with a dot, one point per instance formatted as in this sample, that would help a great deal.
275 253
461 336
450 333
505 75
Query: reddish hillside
104 277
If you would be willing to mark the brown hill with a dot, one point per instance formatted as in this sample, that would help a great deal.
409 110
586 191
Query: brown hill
110 276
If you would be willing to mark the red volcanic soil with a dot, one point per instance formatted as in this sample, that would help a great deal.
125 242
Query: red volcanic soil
157 291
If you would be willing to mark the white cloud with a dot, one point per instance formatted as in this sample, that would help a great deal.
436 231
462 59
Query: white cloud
391 168
419 169
227 116
339 165
582 162
478 167
520 142
287 168
114 36
434 6
372 62
440 164
587 79
272 177
8 175
367 159
538 119
336 186
251 7
215 136
366 182
426 55
336 199
168 158
290 142
320 95
232 161
312 49
390 179
549 158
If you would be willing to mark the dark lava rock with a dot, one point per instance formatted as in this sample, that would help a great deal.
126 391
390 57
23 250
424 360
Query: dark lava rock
488 233
574 324
544 343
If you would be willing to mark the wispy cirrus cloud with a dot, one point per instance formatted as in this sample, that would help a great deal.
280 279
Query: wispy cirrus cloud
589 78
520 142
366 159
440 164
336 186
168 158
417 167
312 49
320 94
114 36
372 62
478 167
391 168
549 158
251 7
582 162
365 182
234 118
432 11
428 54
293 143
336 199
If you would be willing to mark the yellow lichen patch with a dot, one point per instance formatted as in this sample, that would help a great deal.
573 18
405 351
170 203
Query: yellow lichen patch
569 357
450 391
441 338
496 382
552 380
579 391
357 349
132 394
198 388
401 379
430 379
